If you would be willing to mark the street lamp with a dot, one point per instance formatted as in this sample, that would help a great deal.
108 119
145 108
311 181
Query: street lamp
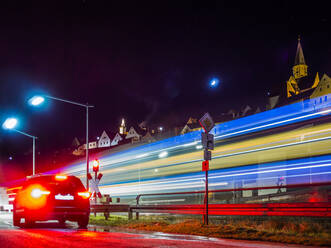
37 100
11 123
214 82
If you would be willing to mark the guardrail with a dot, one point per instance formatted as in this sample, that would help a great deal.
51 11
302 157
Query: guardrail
316 209
312 209
106 209
235 190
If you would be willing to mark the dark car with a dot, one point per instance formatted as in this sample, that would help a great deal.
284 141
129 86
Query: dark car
52 197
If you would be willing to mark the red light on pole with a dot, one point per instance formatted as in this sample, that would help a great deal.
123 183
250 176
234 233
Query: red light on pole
96 165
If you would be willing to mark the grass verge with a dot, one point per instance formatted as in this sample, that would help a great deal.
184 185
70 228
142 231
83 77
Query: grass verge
294 231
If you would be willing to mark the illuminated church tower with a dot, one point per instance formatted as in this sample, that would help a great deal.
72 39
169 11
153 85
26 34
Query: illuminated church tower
122 127
300 67
299 75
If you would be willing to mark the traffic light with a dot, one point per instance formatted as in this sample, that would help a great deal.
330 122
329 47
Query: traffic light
206 155
96 165
207 140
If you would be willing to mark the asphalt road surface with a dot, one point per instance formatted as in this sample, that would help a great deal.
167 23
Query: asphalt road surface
51 234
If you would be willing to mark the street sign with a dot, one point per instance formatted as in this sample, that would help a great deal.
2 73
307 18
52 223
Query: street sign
207 141
207 122
206 155
205 165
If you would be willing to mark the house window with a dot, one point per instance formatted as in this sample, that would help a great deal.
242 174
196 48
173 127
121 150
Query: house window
325 98
328 86
321 100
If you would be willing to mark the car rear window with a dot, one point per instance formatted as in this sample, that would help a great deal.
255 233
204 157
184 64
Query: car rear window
71 183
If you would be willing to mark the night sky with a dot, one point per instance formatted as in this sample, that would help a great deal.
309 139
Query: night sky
145 61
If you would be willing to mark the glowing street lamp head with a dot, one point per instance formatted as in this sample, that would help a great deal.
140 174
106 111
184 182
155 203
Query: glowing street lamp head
10 123
214 82
36 100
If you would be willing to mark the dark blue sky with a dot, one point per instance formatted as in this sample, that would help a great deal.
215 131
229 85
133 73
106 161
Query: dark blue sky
146 61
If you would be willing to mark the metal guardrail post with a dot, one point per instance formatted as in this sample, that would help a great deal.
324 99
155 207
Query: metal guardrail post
130 213
137 204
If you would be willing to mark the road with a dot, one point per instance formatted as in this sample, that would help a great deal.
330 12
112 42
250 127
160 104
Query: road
51 234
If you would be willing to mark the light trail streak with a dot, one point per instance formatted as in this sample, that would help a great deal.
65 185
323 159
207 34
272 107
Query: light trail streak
273 124
272 147
198 185
243 159
288 110
185 183
236 153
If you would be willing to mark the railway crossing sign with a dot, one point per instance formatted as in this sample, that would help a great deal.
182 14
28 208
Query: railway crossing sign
94 185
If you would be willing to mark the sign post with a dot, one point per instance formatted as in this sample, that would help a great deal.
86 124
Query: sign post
95 182
207 141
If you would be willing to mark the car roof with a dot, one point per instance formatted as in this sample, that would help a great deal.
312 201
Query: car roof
49 178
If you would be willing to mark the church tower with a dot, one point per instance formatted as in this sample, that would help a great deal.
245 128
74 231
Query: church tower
299 71
122 127
300 67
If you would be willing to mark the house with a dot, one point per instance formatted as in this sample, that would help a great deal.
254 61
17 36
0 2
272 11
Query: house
191 125
104 140
133 135
117 138
148 138
75 143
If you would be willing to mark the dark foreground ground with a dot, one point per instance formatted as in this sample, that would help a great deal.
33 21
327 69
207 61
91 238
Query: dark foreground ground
52 234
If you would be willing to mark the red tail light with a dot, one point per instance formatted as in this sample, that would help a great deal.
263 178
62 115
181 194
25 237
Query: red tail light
85 195
61 177
37 193
33 197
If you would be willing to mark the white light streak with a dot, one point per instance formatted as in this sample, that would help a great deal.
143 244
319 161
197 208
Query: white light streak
163 154
273 124
142 155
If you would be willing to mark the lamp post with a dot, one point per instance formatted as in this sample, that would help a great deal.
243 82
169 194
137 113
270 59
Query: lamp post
10 123
213 83
37 100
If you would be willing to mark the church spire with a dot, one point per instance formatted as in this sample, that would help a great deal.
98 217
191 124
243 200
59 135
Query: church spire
299 58
300 67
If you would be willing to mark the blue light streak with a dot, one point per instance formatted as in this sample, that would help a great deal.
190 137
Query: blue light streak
317 168
278 117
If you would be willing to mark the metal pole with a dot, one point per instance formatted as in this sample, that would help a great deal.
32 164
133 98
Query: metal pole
95 199
33 155
206 201
33 148
87 146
